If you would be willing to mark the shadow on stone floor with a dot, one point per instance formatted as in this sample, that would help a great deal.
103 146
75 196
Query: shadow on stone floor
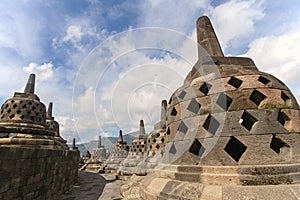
90 186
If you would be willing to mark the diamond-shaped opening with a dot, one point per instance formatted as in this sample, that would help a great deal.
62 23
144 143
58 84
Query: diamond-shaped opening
204 88
30 103
168 131
282 118
22 117
28 112
173 149
182 94
32 118
211 124
154 140
285 97
248 120
12 101
12 116
18 111
157 146
6 106
224 101
182 127
33 108
162 140
157 134
21 102
263 80
24 106
194 106
9 110
235 148
174 112
15 105
277 144
197 148
235 82
257 97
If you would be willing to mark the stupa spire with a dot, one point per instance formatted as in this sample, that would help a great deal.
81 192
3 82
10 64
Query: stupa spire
120 136
49 111
142 127
99 142
163 111
29 88
207 39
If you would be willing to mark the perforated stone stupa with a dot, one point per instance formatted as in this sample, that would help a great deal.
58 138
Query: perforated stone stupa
157 139
135 161
118 153
35 162
232 133
24 117
99 153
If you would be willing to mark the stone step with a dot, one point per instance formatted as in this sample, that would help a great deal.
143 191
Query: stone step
232 176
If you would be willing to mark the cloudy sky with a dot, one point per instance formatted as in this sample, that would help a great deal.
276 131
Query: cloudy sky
107 64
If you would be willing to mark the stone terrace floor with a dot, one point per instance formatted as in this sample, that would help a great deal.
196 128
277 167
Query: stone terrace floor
94 186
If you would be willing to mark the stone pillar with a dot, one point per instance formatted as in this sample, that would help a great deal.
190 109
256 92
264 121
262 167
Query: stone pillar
74 144
207 38
142 128
99 142
29 88
163 117
120 136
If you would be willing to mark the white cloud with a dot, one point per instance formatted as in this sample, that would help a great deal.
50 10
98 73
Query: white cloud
80 33
235 20
278 55
43 71
131 73
176 15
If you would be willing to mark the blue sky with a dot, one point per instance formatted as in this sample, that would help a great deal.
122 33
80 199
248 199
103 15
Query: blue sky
107 64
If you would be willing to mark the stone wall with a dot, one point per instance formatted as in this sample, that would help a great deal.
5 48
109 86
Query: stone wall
34 173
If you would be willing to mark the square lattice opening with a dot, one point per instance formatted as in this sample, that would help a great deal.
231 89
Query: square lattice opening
277 144
194 106
224 101
247 120
211 124
235 148
197 148
205 87
235 82
257 97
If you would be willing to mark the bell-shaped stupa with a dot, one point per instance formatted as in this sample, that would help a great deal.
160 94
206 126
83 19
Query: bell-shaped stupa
233 132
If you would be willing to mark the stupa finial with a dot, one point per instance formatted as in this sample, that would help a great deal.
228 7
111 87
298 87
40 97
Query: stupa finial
142 127
163 111
30 84
120 136
206 38
99 142
49 111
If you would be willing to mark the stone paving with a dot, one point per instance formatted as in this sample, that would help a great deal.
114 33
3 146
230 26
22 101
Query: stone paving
94 186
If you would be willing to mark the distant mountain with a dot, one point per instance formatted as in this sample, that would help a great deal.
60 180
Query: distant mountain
107 142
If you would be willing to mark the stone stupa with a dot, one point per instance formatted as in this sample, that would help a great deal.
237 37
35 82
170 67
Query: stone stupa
99 153
232 133
118 153
157 139
135 163
23 120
